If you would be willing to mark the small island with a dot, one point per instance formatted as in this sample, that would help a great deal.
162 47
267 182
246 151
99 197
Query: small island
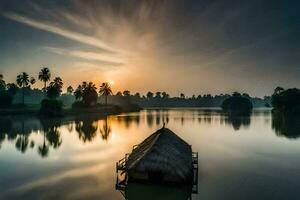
286 112
237 104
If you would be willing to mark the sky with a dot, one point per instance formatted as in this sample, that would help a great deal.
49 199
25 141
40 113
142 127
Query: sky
177 46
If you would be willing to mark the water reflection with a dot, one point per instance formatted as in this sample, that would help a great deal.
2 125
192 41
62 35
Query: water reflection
286 125
238 121
105 130
138 191
87 128
79 155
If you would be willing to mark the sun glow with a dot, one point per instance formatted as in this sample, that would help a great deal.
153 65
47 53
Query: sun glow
111 82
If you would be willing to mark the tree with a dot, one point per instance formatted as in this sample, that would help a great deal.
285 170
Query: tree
2 83
119 94
182 95
149 95
55 88
12 89
137 95
32 81
165 95
278 90
87 92
45 75
126 93
105 90
287 101
237 105
70 90
158 95
78 92
23 81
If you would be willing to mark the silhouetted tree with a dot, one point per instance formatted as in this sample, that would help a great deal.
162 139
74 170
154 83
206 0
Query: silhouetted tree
182 95
164 95
54 90
105 90
78 92
12 89
2 83
158 95
149 95
126 93
286 100
45 75
70 90
237 105
23 81
87 92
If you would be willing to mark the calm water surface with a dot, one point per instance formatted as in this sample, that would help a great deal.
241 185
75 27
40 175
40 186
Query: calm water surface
253 157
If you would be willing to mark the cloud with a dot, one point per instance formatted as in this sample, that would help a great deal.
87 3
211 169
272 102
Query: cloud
47 26
112 59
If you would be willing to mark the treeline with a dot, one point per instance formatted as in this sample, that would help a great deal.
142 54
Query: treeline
162 99
86 94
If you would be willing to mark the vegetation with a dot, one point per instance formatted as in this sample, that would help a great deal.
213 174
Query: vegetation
7 91
237 104
286 112
287 101
45 75
87 94
105 90
23 81
51 108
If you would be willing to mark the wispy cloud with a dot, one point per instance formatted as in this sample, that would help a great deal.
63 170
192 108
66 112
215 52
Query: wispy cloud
113 59
49 27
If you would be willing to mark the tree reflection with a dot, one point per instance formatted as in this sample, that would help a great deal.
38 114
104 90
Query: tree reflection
51 136
238 120
86 129
5 127
105 130
22 139
43 150
286 125
149 118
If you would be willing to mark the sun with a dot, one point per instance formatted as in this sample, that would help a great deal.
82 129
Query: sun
111 82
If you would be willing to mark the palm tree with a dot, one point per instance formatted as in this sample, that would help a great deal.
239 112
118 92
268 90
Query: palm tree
23 81
55 88
70 90
105 90
45 75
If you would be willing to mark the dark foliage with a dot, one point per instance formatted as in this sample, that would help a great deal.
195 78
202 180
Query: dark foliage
5 99
87 93
286 124
79 104
286 100
51 108
237 104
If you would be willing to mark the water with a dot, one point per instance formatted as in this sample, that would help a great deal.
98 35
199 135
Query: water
253 157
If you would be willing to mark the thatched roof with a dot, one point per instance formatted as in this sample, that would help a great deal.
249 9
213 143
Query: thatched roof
162 152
